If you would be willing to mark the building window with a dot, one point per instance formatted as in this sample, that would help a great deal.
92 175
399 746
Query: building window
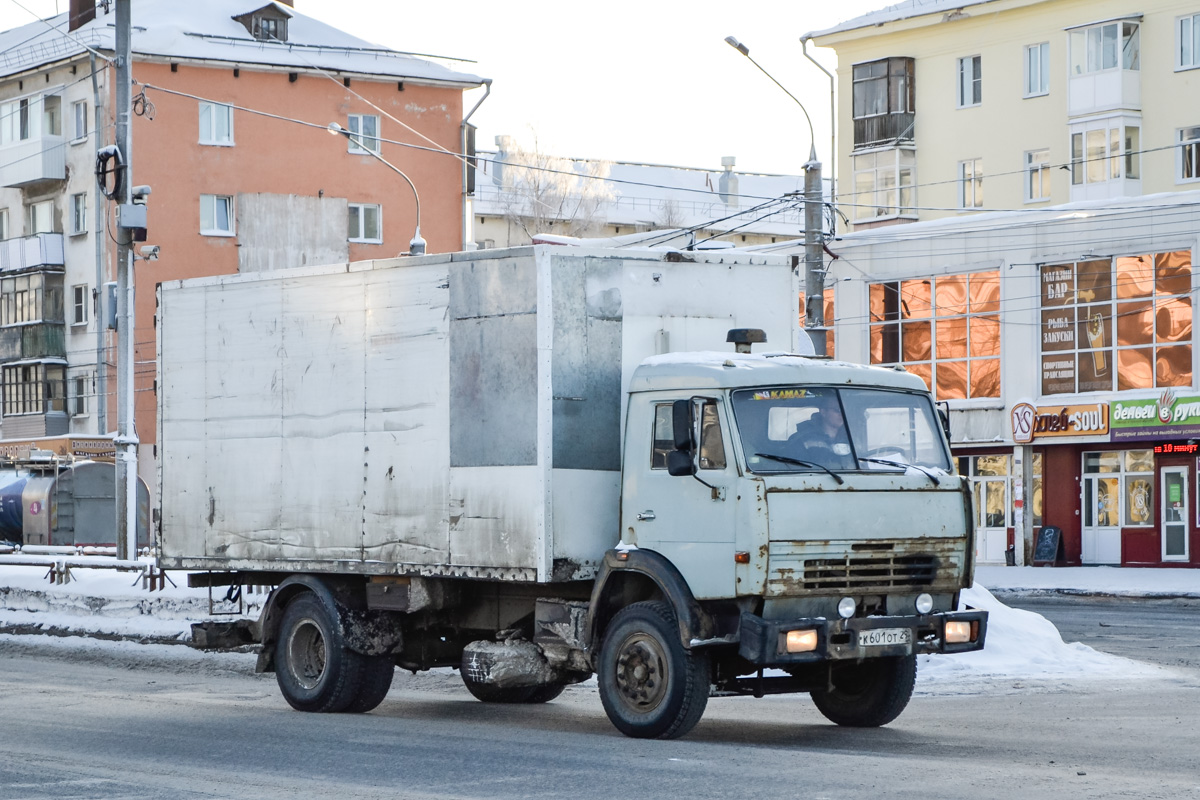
34 389
79 213
1189 154
1104 47
270 29
80 391
31 298
884 184
40 217
970 81
1187 53
883 100
3 224
1037 175
216 215
1037 69
216 124
945 329
364 133
79 304
79 120
1104 154
970 183
1123 491
1122 323
15 121
365 223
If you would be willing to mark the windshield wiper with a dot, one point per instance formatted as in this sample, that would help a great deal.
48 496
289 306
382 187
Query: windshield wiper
798 462
904 466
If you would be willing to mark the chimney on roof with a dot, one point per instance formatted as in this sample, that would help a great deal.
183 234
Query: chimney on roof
728 185
82 12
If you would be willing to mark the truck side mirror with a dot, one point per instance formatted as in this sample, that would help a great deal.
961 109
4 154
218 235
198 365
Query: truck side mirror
943 412
680 463
684 423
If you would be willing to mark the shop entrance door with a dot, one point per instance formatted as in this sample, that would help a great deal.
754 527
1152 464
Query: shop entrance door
1101 520
1175 513
991 523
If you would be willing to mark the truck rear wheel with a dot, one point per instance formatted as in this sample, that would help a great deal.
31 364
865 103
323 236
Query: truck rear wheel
868 694
650 686
314 669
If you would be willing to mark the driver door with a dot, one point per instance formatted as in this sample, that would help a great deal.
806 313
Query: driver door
680 517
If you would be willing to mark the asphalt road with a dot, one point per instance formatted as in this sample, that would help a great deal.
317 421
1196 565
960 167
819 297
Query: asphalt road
1164 632
130 721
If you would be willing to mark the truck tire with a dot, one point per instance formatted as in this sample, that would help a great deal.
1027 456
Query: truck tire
376 681
869 693
314 669
650 686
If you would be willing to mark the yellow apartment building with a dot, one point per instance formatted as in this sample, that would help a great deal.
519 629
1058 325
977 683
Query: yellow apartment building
950 108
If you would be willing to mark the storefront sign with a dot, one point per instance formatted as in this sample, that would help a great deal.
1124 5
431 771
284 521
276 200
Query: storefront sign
1163 417
1029 423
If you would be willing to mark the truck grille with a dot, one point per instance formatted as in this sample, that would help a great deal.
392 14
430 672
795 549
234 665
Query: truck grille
878 570
797 567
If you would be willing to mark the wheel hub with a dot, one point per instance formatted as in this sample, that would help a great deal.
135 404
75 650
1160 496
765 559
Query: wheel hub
641 672
306 653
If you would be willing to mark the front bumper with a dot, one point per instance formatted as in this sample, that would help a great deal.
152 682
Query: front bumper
760 641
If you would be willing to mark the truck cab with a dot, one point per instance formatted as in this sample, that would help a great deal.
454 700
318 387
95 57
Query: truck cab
812 511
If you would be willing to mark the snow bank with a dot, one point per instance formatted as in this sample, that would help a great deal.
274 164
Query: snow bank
1024 645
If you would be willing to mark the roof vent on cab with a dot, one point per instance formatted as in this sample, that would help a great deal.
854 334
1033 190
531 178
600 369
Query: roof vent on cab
743 338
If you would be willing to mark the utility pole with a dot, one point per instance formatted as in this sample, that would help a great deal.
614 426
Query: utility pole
126 441
814 262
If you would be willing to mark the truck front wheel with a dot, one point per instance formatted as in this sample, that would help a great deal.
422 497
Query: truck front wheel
869 693
314 669
651 687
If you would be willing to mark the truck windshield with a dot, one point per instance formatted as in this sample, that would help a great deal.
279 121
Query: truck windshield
826 429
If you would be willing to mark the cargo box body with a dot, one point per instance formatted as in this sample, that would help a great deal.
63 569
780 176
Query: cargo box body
454 415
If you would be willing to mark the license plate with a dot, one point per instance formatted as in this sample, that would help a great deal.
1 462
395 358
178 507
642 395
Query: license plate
877 637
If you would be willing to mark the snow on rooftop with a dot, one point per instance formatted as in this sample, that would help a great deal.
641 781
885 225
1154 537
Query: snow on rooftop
664 196
208 30
894 13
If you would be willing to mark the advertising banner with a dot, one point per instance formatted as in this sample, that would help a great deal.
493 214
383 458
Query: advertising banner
1029 422
1166 416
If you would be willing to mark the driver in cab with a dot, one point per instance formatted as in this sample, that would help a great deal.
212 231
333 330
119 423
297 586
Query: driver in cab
822 438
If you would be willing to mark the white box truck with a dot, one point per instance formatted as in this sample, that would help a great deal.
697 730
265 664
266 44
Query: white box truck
542 463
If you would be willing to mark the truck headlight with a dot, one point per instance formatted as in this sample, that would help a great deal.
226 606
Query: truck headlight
800 641
924 604
958 632
846 607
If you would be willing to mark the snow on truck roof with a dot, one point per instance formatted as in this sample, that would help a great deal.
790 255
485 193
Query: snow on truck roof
716 370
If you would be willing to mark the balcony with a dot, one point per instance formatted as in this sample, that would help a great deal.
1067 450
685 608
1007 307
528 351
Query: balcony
884 129
42 158
35 340
28 252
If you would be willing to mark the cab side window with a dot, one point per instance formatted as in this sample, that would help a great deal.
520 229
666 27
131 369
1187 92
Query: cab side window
712 443
664 436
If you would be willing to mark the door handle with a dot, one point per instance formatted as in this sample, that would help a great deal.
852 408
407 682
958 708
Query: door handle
645 516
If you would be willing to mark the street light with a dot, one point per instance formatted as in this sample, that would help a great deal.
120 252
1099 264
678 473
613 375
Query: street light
416 247
744 50
814 271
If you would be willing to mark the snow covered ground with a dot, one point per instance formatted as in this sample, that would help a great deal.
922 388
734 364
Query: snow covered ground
1024 650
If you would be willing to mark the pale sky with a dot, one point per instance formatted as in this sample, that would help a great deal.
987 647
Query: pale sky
649 81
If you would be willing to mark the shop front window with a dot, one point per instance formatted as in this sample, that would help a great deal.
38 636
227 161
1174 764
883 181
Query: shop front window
1123 323
944 329
1119 488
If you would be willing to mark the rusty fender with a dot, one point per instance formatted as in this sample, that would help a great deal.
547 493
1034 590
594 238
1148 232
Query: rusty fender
694 621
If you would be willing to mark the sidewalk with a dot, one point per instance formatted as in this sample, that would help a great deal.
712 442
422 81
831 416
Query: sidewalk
1149 582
